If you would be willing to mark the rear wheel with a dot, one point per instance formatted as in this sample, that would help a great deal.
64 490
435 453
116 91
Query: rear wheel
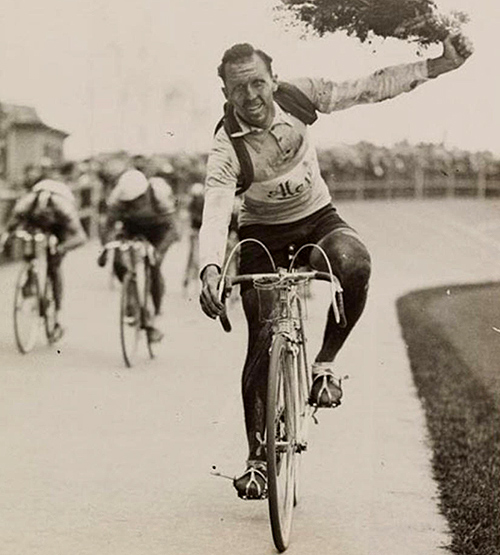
130 319
27 309
281 441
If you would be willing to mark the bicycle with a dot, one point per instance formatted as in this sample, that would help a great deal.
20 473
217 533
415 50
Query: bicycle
288 411
34 299
136 304
192 269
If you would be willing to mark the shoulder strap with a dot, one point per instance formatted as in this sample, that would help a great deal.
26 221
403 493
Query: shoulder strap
231 125
290 99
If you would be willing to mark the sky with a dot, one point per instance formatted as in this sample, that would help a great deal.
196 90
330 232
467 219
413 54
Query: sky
141 75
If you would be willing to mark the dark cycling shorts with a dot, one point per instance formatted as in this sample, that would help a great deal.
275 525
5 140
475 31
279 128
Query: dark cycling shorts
156 234
279 237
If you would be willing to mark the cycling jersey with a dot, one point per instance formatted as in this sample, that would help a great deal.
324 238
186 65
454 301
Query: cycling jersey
287 182
153 207
49 206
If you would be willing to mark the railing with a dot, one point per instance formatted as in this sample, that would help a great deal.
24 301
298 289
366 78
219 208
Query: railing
421 186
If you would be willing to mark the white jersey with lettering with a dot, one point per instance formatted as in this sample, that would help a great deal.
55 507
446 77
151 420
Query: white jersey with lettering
287 184
296 194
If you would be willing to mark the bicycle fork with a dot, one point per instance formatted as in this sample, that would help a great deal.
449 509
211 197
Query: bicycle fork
292 394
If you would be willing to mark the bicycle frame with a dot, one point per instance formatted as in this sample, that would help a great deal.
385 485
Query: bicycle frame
37 246
287 406
134 251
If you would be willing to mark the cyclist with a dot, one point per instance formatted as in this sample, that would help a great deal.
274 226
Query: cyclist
144 208
263 150
51 207
195 213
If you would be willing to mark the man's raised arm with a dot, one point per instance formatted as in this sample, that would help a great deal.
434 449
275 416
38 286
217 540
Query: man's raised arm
329 96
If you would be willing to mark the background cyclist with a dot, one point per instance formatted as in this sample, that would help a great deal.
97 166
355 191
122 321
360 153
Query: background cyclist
195 215
288 202
144 208
51 207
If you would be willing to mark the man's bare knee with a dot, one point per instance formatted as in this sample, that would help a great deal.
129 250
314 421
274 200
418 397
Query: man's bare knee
347 255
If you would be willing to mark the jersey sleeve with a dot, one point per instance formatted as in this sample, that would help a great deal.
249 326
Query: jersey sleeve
164 194
20 210
329 96
223 170
68 215
113 197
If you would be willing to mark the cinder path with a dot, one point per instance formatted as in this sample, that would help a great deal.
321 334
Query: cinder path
96 459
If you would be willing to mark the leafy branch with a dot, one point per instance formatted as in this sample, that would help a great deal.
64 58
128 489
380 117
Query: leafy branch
411 20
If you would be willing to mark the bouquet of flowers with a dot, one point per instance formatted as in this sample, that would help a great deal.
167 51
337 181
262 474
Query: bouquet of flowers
411 20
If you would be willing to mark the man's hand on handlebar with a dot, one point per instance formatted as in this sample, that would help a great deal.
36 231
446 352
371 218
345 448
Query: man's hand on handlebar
209 296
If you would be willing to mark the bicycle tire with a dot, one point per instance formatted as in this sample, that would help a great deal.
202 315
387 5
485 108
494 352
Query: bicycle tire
304 381
281 441
148 308
26 310
48 309
130 319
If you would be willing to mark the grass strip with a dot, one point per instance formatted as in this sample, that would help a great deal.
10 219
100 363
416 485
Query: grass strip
464 427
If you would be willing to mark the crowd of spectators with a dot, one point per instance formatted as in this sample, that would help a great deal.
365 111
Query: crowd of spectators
339 164
365 161
343 166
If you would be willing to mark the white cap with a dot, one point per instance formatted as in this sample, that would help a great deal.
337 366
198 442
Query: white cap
56 187
132 184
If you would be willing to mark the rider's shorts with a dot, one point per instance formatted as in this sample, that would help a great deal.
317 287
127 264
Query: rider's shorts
278 238
156 234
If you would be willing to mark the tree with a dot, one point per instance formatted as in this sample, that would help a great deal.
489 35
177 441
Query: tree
411 20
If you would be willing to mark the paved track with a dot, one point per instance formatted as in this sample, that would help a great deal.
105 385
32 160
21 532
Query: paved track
101 460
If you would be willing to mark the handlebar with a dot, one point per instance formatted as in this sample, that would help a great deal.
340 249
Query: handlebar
37 236
280 277
284 278
125 244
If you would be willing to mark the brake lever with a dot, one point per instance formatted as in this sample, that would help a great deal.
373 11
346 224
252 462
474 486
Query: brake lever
225 323
224 319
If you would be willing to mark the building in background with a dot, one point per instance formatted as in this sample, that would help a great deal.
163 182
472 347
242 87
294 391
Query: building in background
25 140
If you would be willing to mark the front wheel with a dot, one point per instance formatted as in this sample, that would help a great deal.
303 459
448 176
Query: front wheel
27 309
130 319
281 441
148 310
304 380
49 310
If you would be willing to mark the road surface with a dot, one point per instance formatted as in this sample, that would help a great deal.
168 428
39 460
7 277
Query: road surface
98 459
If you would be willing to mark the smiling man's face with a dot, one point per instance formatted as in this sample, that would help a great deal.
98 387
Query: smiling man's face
249 87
